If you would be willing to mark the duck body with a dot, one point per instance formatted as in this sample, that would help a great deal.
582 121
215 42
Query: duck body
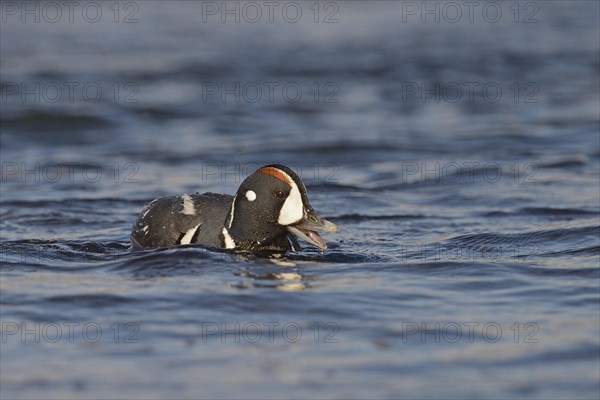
186 219
267 213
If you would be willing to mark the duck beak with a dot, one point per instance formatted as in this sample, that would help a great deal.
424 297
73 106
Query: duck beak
309 226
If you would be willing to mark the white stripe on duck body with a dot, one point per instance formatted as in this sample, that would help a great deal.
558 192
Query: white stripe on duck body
268 212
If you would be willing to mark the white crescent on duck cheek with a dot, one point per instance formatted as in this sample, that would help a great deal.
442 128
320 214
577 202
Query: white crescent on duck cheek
293 208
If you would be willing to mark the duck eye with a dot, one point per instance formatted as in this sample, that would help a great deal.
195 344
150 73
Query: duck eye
279 194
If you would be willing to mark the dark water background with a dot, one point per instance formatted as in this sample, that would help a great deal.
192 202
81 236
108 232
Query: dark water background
467 262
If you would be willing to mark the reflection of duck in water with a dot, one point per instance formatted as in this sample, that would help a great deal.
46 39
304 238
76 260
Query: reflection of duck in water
290 281
268 211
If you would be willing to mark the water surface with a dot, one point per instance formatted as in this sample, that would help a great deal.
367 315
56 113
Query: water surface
467 262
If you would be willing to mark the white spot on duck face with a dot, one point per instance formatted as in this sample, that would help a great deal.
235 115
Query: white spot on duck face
187 238
229 243
145 229
188 205
293 208
250 195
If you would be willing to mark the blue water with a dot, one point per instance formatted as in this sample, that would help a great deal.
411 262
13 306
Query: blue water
460 159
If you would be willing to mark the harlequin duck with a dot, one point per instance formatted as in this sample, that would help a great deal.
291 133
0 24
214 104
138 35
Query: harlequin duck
268 211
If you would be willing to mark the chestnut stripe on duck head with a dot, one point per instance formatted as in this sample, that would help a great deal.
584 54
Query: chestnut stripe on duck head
278 173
